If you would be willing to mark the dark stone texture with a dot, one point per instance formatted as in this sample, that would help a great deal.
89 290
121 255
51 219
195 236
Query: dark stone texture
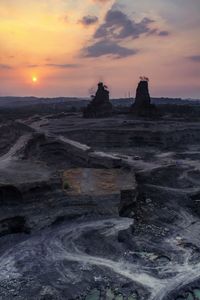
13 225
100 105
142 99
9 195
127 202
142 105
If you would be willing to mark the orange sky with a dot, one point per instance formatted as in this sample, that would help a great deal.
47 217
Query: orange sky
70 45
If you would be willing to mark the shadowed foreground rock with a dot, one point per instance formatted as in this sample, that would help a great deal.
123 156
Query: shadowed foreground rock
100 106
142 105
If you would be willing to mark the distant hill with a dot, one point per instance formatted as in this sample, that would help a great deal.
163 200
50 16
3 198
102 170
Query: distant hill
17 102
27 101
158 101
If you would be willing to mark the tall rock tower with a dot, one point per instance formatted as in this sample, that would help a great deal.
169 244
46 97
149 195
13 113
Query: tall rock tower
142 105
100 105
142 99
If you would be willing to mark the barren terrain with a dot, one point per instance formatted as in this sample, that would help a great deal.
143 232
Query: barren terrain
99 208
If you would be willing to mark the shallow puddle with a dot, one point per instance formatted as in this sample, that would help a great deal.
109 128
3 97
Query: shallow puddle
93 295
133 297
197 293
190 296
110 295
193 295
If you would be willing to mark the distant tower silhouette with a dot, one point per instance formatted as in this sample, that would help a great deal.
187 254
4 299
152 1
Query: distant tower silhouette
142 105
100 105
142 99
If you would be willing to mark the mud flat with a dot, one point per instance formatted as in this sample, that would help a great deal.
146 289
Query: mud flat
99 208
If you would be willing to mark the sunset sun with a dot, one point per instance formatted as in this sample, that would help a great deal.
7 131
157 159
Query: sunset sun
34 79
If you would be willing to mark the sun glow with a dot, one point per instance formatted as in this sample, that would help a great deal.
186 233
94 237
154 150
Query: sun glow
34 79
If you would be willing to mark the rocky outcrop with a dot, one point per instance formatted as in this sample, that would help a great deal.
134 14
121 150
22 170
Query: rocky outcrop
10 133
142 105
128 202
13 225
100 105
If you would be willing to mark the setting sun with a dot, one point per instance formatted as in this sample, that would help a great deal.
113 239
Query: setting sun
34 79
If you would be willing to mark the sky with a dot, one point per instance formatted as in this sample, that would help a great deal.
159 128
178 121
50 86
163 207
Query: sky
53 48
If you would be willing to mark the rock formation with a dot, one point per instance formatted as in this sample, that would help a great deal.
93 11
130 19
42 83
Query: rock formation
100 105
142 105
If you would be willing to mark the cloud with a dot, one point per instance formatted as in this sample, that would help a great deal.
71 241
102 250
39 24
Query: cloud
195 58
106 47
163 33
89 20
102 1
33 66
5 67
61 66
116 28
118 25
